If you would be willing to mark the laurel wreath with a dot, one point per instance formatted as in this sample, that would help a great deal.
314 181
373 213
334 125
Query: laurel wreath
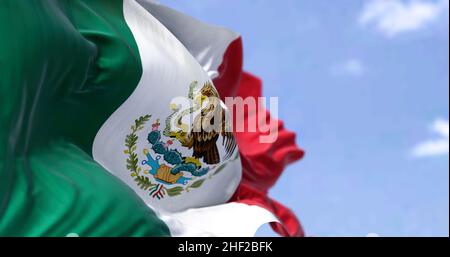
144 182
132 161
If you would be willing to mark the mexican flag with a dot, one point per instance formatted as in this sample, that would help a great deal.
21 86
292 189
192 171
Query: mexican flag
94 139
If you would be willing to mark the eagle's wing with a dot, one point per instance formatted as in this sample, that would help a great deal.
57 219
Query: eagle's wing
225 128
229 141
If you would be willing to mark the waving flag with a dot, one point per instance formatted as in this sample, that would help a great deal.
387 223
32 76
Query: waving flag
94 138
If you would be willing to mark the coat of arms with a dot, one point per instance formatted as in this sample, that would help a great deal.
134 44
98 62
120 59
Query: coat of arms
165 170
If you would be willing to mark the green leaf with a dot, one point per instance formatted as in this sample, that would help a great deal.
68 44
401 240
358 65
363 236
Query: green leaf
220 168
143 182
197 183
174 191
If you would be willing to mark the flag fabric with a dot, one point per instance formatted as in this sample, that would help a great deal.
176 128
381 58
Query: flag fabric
93 135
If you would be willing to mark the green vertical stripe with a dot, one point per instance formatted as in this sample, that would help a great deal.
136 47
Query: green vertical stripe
65 67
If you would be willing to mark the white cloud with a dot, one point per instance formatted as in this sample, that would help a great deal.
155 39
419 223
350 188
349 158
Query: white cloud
435 147
351 67
392 17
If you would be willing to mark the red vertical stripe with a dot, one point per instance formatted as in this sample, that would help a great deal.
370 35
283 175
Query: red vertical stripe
262 163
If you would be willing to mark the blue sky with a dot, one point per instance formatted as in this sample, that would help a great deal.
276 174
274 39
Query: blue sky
365 84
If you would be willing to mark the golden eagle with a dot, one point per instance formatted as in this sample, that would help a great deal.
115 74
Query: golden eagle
205 131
